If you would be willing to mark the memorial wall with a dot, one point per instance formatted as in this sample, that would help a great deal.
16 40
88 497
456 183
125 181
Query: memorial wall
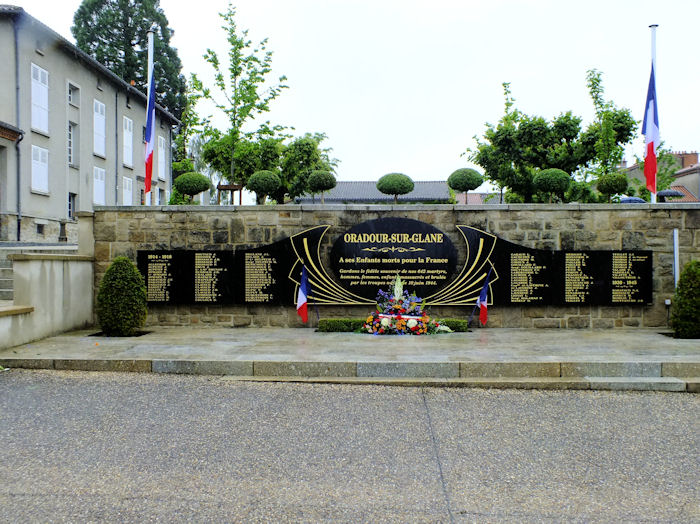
570 266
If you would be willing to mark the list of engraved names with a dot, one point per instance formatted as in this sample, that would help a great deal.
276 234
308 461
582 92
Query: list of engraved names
159 277
259 271
523 275
207 268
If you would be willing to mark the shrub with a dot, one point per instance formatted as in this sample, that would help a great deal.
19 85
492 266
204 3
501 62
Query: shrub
612 184
395 184
191 184
178 199
465 180
339 325
552 182
121 300
183 166
455 324
263 183
320 181
685 314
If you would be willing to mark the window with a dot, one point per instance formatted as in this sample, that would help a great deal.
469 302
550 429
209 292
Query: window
127 191
98 186
128 151
143 134
142 197
40 169
40 229
71 205
71 143
149 197
99 128
161 197
40 99
161 158
73 95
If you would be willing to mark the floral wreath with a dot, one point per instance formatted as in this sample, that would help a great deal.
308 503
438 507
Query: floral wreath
399 312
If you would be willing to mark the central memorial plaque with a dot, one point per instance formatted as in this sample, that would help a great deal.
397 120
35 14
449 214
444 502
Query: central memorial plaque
368 257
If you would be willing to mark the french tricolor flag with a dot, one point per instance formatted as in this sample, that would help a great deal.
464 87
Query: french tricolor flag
302 295
481 301
650 130
150 129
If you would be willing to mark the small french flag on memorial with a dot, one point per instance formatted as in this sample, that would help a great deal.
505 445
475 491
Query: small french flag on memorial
302 294
481 301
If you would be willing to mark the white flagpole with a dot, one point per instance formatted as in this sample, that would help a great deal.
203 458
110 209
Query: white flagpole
151 31
656 75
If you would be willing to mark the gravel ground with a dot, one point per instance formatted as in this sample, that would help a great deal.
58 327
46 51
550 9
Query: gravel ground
110 447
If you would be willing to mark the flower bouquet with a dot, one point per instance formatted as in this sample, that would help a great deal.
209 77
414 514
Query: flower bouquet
401 313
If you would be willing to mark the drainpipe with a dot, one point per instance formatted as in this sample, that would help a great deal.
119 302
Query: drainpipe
21 136
116 147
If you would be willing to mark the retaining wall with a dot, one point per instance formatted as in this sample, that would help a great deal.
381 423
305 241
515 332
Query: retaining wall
124 231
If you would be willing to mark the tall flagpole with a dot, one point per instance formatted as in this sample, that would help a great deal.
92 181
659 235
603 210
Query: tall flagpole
653 67
150 120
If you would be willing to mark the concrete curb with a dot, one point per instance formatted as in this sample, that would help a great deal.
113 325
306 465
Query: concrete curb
628 376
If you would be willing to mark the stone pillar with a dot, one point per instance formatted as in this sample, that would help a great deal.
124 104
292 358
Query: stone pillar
86 236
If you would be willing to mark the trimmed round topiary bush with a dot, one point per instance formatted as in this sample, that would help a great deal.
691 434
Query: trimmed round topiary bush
685 313
191 184
263 183
395 184
612 184
465 180
320 181
551 182
121 300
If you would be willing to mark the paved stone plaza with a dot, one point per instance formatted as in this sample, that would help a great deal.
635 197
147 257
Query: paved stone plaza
127 447
535 358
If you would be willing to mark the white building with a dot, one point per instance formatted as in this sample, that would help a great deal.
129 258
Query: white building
71 134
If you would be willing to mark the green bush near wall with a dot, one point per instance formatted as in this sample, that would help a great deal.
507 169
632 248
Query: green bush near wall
121 300
685 315
339 325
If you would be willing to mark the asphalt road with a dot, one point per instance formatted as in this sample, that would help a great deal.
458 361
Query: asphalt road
110 447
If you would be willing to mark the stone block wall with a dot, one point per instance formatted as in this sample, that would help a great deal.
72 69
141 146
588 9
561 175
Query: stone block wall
124 231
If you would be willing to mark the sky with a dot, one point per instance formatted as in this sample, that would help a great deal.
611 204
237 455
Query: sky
405 86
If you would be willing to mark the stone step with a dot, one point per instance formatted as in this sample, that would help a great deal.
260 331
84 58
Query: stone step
6 294
5 264
6 272
6 283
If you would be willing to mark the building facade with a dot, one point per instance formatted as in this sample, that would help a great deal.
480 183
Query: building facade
71 135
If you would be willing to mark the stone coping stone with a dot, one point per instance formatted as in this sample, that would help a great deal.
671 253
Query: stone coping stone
49 256
304 369
611 369
408 207
203 367
680 369
408 369
509 369
692 385
496 383
8 311
637 383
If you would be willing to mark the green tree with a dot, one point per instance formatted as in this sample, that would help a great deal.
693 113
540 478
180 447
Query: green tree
612 130
191 184
114 32
299 159
263 183
395 184
552 183
686 303
514 150
465 180
241 90
611 184
320 181
121 299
